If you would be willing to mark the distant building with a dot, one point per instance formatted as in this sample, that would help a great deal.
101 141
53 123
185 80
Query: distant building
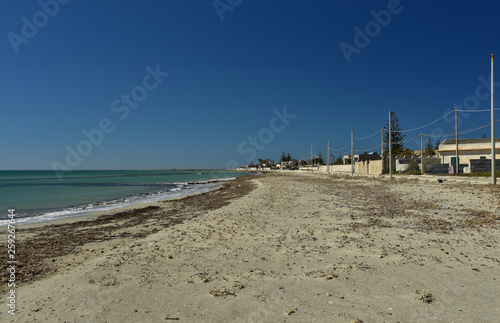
347 158
292 164
365 156
369 156
467 149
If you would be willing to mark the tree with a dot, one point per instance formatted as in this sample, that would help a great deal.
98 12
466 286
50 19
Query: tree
430 148
438 142
413 167
319 160
396 136
285 157
406 152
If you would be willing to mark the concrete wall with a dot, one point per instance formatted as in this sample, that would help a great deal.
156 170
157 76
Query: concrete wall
403 164
336 168
373 167
376 167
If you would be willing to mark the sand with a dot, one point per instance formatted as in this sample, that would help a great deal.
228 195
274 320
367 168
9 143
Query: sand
280 247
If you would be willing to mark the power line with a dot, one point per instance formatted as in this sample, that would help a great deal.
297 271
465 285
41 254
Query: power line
348 152
409 139
341 148
426 124
460 132
373 134
377 146
486 110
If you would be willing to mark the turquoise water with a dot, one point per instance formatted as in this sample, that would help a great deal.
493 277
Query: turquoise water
41 196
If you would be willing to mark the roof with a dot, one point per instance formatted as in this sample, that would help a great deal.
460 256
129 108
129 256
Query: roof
468 141
468 149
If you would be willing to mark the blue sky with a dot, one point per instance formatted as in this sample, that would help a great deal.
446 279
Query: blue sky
229 65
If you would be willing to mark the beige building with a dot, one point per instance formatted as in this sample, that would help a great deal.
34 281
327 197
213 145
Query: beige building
467 149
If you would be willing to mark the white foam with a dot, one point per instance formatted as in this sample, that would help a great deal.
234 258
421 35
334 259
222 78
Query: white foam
182 189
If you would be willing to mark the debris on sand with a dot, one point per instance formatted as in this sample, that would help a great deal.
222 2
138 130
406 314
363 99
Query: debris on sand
222 292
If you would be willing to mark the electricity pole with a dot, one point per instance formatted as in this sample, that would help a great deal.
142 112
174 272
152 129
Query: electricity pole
312 160
382 147
456 139
352 152
390 145
328 156
382 142
422 152
493 157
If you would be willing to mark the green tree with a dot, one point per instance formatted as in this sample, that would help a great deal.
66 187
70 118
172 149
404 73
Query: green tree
319 159
285 157
429 150
438 142
406 152
397 136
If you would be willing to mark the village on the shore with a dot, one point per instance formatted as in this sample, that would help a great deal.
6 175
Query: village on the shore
474 156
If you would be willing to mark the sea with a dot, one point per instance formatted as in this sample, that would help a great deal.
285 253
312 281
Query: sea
44 196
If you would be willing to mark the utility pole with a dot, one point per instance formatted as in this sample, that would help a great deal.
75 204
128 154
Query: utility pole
382 147
352 152
312 160
493 157
422 153
382 142
328 156
390 146
456 139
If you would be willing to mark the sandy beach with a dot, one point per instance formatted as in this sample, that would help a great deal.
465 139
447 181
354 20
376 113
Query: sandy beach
278 247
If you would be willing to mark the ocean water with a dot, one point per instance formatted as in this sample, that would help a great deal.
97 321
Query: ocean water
40 196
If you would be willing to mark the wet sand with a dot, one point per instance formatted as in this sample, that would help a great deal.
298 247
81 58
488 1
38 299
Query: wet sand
272 248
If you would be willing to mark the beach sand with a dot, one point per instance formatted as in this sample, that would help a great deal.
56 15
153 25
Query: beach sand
280 247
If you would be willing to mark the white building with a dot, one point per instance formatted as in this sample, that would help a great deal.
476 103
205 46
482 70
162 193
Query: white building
467 149
347 158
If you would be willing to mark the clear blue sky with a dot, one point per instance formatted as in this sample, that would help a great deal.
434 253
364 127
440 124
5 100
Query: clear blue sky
229 67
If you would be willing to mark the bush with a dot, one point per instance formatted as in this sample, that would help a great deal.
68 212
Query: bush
413 167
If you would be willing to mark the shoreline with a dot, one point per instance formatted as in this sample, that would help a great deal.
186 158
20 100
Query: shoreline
38 218
277 247
62 237
95 215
